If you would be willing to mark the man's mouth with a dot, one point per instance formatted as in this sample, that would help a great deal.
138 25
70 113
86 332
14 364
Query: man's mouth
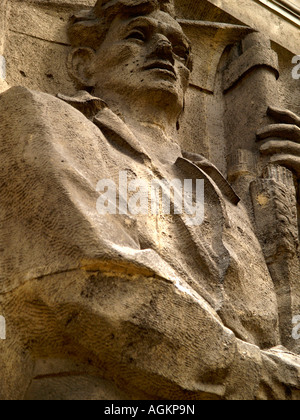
163 67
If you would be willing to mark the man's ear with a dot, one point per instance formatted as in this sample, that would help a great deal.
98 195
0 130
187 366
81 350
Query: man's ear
80 63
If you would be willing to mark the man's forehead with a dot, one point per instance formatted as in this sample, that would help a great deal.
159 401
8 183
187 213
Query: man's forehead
158 19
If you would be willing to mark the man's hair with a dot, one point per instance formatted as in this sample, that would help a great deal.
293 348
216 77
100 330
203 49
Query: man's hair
88 28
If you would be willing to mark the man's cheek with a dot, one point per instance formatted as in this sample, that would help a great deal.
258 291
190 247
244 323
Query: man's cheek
184 75
123 54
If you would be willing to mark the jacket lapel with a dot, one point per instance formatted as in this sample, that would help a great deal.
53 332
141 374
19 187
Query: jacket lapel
97 110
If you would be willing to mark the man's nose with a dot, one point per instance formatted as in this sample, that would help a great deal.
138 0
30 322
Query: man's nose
163 49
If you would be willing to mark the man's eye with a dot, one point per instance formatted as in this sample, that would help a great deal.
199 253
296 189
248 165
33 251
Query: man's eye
182 52
137 35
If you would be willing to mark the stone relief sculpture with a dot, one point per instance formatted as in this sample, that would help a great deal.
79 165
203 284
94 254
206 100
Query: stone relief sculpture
113 306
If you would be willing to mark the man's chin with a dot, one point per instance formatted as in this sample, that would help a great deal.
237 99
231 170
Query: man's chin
163 89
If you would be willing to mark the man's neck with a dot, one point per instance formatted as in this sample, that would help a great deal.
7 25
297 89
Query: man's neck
160 144
154 127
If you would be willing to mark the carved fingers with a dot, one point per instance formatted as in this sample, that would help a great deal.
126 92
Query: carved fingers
273 147
282 131
288 161
282 140
284 116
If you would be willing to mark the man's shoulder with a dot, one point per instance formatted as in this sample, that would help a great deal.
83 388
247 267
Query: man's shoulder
25 100
25 111
34 123
19 99
21 93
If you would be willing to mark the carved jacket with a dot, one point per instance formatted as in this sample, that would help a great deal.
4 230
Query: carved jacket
204 290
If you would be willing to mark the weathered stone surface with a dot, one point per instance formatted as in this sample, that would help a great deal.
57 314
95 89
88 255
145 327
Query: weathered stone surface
157 305
251 13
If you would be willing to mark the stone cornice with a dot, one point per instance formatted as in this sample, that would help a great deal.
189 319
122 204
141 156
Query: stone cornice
288 9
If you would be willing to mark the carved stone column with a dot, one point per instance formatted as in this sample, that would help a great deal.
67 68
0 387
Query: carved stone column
275 208
250 87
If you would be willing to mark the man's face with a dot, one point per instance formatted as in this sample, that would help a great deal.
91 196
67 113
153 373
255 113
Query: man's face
145 54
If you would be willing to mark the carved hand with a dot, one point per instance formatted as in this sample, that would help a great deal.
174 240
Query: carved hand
282 140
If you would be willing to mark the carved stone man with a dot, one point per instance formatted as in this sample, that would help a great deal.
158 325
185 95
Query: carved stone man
130 305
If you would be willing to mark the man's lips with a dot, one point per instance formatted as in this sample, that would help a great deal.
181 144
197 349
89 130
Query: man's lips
160 65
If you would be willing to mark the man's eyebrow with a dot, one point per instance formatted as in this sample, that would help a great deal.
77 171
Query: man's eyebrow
180 36
141 20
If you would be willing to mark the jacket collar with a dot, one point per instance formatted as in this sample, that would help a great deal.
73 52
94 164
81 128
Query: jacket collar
99 113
